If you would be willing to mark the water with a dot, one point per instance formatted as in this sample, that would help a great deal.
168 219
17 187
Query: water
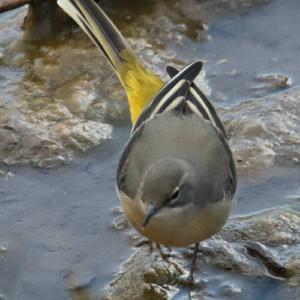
261 41
59 220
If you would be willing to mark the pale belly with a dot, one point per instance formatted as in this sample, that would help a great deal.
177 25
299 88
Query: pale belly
178 227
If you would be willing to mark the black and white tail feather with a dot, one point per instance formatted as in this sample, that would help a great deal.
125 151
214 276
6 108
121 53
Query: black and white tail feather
181 94
92 19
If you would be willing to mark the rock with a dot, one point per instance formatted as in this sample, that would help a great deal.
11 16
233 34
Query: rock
120 223
264 131
3 250
293 269
271 83
46 134
266 244
77 289
145 276
229 290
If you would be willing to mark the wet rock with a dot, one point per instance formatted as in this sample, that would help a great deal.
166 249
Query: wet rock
276 80
268 259
271 83
75 135
53 100
53 113
230 290
265 244
45 143
293 267
222 290
145 276
3 250
1 55
79 287
266 130
8 175
120 223
117 211
9 137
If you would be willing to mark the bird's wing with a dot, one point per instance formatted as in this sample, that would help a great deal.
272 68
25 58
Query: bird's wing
177 124
190 138
167 98
140 83
200 101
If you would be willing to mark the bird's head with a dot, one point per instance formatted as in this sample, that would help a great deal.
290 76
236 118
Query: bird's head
167 184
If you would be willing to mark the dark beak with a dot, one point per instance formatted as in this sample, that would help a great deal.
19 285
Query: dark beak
152 210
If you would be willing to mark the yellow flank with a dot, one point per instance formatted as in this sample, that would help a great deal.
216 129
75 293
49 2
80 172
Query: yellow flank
140 83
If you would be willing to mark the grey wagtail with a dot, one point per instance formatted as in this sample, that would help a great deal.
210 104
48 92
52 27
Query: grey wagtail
176 176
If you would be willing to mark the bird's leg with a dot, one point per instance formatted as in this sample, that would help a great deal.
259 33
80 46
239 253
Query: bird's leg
151 247
163 255
144 243
194 264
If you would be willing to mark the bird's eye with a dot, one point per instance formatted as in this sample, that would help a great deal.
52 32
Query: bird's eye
174 195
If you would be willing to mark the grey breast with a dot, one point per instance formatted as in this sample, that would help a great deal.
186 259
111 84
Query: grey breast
190 138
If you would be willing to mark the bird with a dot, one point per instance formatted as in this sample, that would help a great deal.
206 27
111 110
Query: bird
176 176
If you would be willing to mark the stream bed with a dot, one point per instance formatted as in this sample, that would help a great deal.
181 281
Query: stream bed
64 122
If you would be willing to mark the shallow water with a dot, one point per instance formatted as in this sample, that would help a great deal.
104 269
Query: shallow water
59 220
260 41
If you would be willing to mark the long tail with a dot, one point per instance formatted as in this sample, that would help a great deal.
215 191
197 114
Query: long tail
140 83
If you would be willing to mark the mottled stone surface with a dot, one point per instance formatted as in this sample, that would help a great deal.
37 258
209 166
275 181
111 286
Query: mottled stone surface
261 245
266 130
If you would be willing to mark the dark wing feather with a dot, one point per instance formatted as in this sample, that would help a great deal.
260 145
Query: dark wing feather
165 95
200 102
